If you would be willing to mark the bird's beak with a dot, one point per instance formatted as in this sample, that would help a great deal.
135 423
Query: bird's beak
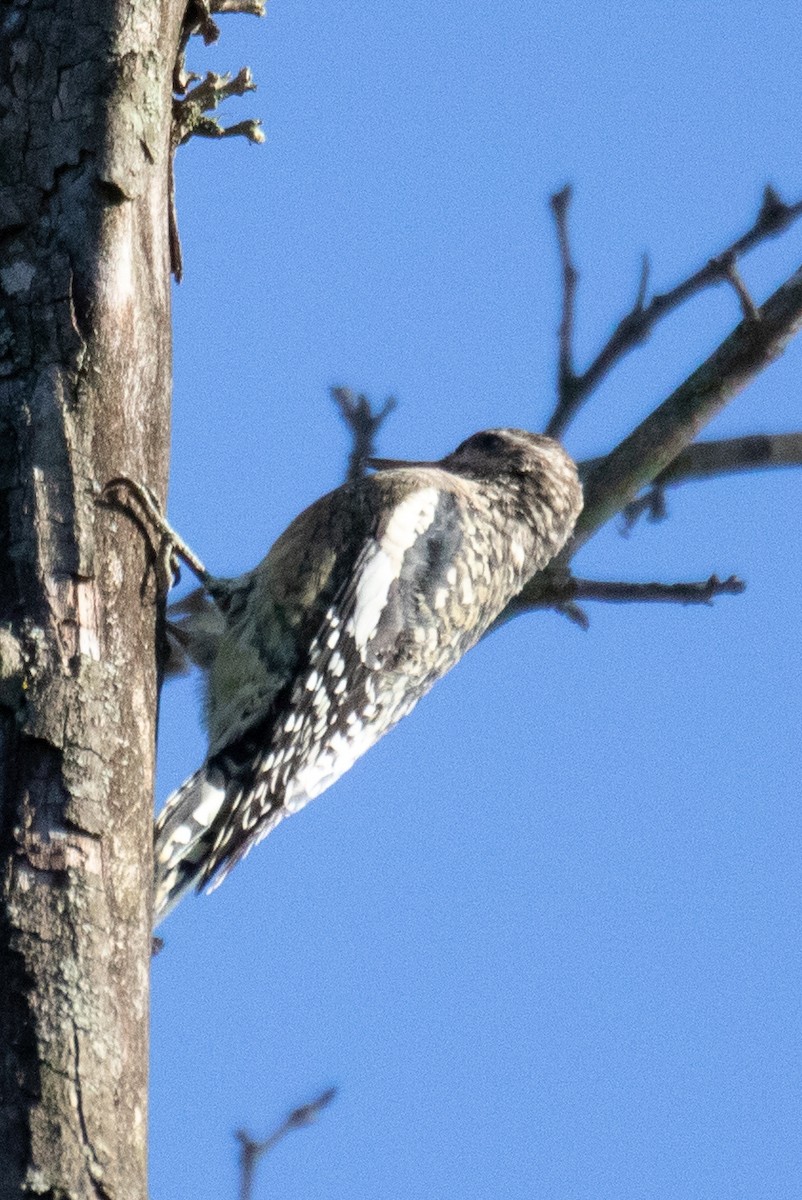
388 464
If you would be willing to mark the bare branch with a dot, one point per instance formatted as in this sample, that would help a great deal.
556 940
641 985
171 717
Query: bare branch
189 119
566 378
643 285
363 425
198 23
756 452
251 1151
730 272
613 482
173 235
636 325
705 460
253 8
209 128
703 592
665 433
188 113
563 592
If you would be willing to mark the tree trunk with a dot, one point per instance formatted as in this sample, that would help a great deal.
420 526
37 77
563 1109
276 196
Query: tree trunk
85 109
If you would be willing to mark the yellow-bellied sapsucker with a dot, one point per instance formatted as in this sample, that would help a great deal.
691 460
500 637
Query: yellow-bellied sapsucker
369 596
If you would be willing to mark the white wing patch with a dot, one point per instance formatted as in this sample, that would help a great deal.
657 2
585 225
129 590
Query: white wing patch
212 797
383 563
336 757
339 706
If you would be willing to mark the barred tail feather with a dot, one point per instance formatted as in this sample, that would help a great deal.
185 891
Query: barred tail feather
183 830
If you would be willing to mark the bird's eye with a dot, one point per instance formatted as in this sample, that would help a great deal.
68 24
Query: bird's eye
486 443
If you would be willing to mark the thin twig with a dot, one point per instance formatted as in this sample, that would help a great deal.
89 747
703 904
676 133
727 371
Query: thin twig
650 449
563 591
363 425
614 481
636 325
173 235
208 127
252 1151
706 460
189 119
730 272
253 8
566 378
191 105
702 592
198 23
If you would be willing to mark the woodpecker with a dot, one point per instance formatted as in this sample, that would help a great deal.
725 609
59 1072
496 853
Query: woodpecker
362 604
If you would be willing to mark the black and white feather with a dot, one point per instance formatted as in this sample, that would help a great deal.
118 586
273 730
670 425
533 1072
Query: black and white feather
367 599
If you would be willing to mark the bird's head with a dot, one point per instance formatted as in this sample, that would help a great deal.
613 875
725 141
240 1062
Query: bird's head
509 457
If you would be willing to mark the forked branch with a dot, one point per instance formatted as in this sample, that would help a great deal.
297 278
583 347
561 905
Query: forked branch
613 482
198 22
706 460
189 113
636 325
363 424
191 105
252 1151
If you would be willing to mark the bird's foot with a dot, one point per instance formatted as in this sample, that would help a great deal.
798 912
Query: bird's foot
172 548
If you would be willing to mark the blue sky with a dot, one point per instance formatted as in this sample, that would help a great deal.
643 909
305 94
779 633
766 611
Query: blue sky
544 937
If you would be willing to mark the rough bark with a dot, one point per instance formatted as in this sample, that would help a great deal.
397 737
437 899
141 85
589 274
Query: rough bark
85 109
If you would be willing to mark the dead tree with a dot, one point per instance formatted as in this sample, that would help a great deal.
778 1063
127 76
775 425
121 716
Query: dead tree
84 394
94 99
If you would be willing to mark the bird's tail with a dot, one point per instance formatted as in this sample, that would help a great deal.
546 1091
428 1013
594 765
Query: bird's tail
195 626
181 840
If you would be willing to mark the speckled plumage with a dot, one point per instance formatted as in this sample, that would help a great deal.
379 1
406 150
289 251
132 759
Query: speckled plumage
367 599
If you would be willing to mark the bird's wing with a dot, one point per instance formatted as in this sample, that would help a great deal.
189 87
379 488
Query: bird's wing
322 654
380 644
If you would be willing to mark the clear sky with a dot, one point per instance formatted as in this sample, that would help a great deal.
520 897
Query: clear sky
545 937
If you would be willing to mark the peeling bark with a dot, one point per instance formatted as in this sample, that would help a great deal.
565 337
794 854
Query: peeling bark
85 108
